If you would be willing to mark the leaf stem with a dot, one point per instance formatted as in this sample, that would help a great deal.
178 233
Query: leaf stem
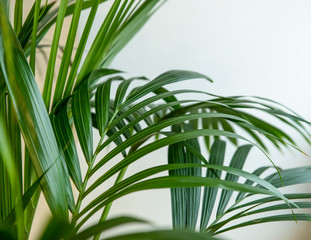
80 197
87 175
86 178
107 208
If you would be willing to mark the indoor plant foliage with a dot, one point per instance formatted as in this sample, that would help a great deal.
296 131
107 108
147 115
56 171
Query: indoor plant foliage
39 151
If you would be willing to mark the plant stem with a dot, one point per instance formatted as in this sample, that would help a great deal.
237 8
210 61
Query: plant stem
85 181
80 197
106 210
86 178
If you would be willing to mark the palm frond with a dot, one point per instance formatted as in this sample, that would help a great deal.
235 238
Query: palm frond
133 117
33 119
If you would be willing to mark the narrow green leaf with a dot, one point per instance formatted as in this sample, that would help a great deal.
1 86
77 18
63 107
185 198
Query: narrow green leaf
162 80
18 15
249 212
206 124
50 18
160 169
102 99
30 177
215 125
291 176
193 194
122 89
64 66
150 100
132 117
15 141
178 182
25 33
176 154
268 127
47 90
81 112
217 155
269 108
96 77
185 202
104 226
194 123
227 127
80 49
150 148
107 208
100 42
257 172
33 118
237 161
121 124
155 170
66 141
275 218
290 196
34 36
278 134
24 201
255 137
301 205
12 188
111 132
157 127
168 99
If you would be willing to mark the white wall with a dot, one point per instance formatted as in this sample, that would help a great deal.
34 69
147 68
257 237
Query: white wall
248 47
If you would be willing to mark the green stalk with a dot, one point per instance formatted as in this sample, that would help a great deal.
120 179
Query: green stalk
15 141
108 206
94 53
10 169
84 184
34 37
62 75
81 193
47 90
30 177
18 16
87 175
79 52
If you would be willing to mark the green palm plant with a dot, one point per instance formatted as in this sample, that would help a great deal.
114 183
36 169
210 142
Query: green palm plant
39 151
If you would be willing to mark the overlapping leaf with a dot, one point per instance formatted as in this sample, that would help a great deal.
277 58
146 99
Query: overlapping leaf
130 118
33 120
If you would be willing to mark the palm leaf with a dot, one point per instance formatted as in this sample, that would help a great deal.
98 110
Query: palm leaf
33 119
237 161
104 226
185 202
136 120
209 195
275 218
83 122
66 141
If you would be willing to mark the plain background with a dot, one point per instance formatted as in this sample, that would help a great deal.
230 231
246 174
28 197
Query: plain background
248 47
